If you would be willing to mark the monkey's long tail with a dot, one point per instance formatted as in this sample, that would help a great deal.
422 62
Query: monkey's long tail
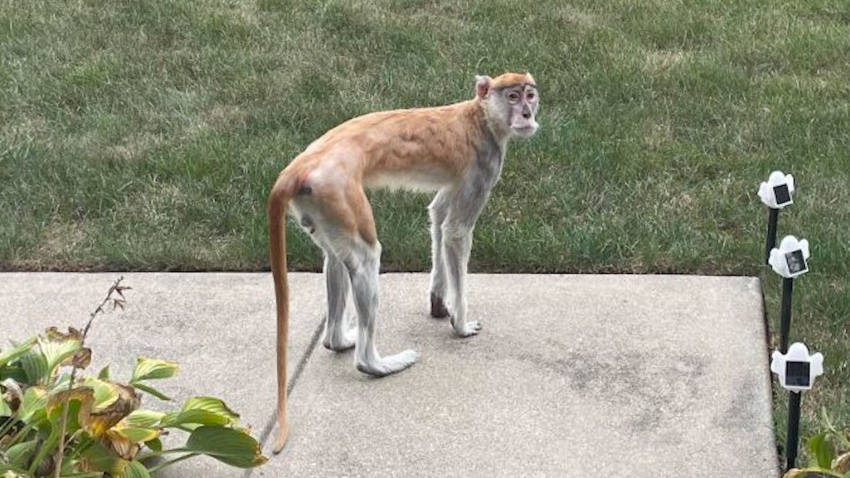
277 206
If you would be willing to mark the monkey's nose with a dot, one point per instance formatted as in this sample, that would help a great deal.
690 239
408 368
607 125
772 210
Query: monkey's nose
526 114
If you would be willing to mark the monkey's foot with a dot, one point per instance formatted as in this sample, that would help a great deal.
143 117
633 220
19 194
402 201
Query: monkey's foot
341 344
388 365
438 307
467 329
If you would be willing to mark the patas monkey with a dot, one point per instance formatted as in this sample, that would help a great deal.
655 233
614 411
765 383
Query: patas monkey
455 150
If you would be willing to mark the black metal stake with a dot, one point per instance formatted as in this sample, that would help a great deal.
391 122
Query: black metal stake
794 399
793 429
785 324
770 242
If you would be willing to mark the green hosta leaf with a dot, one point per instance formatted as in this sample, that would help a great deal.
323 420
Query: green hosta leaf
134 470
148 389
15 352
15 371
227 445
210 404
193 417
150 369
61 381
844 443
105 393
11 471
35 365
46 448
33 405
822 453
201 411
138 435
5 409
21 454
58 346
155 444
123 442
98 458
104 373
142 419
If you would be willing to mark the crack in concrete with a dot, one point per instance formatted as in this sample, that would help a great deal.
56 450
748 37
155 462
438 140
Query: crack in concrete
267 430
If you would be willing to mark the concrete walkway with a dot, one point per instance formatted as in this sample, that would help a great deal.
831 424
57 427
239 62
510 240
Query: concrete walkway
572 376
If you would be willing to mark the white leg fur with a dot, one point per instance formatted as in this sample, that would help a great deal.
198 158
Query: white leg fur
363 264
457 245
339 333
438 210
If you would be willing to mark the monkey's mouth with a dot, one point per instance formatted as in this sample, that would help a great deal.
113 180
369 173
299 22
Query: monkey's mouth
525 131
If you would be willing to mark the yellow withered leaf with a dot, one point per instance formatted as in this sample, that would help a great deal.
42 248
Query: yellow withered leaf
123 405
120 445
841 464
80 399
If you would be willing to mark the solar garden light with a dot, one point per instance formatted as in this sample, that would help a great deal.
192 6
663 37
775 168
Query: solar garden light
775 194
796 370
790 260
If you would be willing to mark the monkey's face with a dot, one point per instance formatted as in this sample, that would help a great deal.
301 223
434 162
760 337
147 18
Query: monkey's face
520 104
511 103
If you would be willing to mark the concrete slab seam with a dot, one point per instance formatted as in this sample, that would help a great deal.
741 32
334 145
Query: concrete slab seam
267 430
774 392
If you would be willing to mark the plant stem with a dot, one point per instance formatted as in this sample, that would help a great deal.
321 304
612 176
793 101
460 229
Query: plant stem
14 469
21 433
9 424
57 469
171 462
43 451
150 454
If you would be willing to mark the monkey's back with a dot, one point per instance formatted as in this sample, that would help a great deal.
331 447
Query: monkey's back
417 148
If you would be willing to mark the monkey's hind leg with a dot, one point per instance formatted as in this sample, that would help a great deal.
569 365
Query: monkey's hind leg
363 263
339 333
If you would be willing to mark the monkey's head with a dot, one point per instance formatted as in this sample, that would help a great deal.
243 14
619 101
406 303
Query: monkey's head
510 102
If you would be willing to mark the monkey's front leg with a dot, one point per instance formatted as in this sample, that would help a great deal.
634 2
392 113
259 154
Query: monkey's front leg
457 246
438 210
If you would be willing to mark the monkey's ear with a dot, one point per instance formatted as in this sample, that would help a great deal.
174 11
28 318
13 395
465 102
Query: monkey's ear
482 86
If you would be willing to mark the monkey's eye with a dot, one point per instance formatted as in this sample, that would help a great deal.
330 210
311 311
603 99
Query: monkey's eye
513 97
529 95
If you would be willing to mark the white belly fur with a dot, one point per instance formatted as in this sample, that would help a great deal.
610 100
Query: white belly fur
407 180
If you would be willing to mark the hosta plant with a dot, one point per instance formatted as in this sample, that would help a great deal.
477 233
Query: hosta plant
56 420
828 452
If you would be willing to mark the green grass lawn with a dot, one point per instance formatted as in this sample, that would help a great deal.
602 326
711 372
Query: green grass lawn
145 135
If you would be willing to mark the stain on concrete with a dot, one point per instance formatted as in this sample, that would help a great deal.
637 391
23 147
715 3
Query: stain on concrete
649 387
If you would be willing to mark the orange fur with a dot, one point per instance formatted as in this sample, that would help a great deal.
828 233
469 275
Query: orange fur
511 79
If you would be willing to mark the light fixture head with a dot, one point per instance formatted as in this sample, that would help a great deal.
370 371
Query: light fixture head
791 258
796 369
777 191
